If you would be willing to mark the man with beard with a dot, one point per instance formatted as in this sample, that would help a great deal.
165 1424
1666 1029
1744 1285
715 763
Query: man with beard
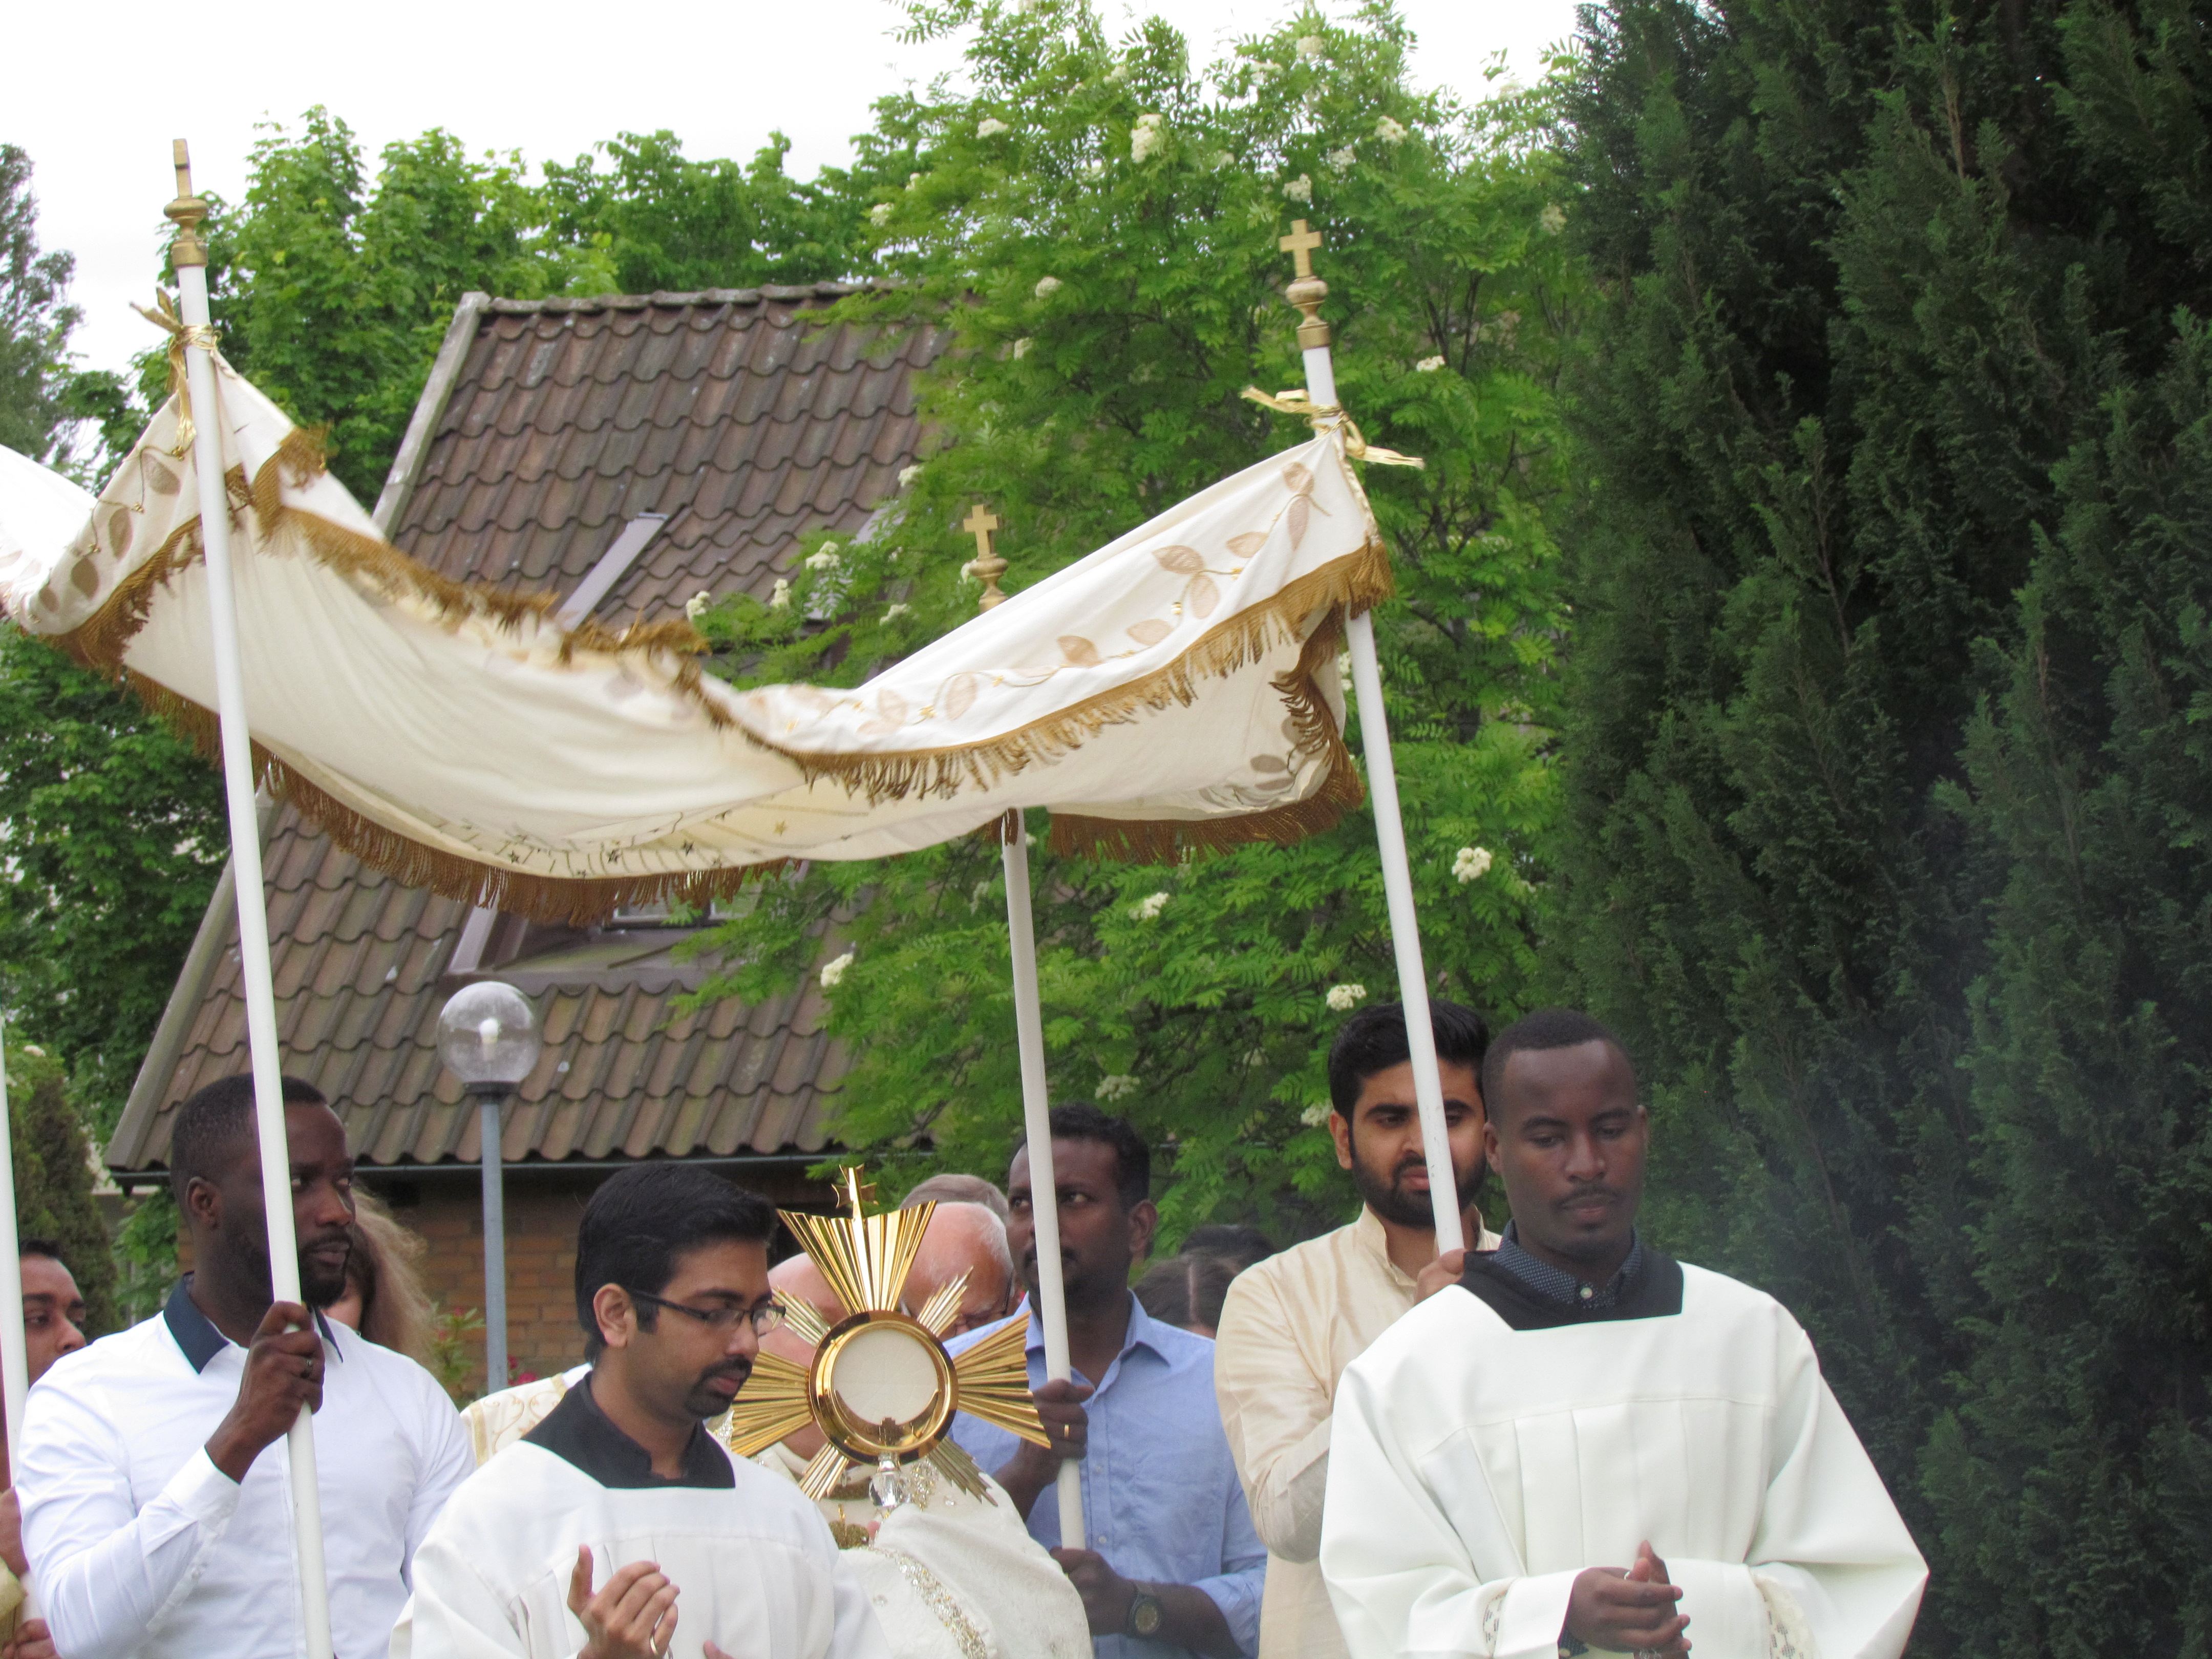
1586 1445
157 1496
1172 1567
1292 1323
618 1528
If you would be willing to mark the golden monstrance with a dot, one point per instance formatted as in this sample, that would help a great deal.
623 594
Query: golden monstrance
881 1389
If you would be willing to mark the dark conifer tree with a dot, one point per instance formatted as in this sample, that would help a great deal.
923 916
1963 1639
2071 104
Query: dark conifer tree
1887 842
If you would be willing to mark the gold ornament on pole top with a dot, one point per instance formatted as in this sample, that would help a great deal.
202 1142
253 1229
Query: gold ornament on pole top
186 212
881 1388
1306 290
980 522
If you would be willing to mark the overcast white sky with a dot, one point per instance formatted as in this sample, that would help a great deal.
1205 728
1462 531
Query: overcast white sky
121 78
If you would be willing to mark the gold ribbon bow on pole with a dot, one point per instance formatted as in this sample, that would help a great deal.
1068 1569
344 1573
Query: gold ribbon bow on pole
1324 416
182 336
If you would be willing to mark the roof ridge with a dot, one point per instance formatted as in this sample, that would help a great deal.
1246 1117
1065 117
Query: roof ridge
705 296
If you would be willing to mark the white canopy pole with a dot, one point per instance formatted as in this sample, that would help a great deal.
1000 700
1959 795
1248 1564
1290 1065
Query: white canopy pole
188 257
14 1357
1037 1123
1306 292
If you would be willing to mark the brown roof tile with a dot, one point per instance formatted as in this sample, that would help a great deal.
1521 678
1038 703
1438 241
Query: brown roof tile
748 425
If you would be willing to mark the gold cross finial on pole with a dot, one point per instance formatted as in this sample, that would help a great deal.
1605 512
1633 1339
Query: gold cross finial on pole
185 212
988 565
1306 290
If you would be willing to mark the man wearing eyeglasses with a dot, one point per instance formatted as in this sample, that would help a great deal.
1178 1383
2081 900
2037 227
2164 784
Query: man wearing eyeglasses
618 1528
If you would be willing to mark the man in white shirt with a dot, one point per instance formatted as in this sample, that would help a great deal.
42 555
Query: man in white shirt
618 1528
1293 1321
155 1492
1585 1444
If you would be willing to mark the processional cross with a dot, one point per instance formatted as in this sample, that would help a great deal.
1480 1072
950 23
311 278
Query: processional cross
1306 290
988 566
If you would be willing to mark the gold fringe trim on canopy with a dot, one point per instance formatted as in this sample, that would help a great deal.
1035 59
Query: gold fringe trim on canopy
1348 586
578 901
1166 840
100 641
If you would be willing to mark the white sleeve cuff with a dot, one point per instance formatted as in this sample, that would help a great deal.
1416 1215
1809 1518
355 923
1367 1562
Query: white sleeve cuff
1535 1613
202 1492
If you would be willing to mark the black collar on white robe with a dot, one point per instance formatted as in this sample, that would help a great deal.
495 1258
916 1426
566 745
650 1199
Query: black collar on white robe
1652 1290
579 1432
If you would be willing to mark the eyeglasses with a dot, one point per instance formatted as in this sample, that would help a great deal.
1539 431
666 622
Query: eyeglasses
721 1321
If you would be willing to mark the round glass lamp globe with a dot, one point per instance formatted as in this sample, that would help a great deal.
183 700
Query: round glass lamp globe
487 1036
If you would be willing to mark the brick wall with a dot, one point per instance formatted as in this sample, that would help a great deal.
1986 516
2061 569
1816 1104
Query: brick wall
543 1209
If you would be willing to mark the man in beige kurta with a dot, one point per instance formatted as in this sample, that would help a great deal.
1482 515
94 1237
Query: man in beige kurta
1295 1320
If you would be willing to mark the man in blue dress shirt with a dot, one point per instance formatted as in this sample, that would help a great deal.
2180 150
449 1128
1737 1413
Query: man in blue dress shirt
1174 1566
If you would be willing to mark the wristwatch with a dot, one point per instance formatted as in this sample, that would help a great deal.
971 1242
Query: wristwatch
1146 1613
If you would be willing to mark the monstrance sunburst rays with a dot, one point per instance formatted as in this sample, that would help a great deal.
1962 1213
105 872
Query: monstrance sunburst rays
900 1388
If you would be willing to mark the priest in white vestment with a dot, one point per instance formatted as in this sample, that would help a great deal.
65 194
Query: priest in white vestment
1586 1445
618 1528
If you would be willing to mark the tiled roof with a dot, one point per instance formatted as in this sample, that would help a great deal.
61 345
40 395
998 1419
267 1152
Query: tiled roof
359 961
727 410
547 427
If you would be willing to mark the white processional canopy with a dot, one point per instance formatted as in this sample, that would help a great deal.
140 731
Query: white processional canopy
1177 688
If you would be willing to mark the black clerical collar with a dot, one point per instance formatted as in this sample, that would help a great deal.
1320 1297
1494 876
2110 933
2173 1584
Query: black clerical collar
1557 1285
1648 1286
195 1333
577 1430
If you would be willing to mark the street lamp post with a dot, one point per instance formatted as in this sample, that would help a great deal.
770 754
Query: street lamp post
487 1037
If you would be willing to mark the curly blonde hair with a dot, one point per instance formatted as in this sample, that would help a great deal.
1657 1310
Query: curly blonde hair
395 1308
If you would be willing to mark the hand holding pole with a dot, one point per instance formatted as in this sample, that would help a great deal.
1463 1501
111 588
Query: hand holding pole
188 258
1306 292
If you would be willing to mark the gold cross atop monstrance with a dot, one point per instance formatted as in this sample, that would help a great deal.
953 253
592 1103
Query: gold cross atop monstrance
979 523
881 1388
1306 290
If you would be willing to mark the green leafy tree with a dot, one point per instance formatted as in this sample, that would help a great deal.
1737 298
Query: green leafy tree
1882 841
54 1176
43 394
654 221
1096 223
332 291
114 835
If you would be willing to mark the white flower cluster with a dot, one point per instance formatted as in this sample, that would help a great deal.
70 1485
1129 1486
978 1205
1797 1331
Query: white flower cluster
1428 365
1341 161
908 474
780 600
1021 347
990 127
1343 999
1113 1088
1553 218
1390 131
1047 286
822 556
833 971
880 215
1118 74
1300 189
912 179
1146 137
695 606
1148 908
1315 1114
1473 864
896 612
1309 47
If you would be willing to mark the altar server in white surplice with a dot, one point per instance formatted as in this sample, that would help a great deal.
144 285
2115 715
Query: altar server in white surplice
618 1528
1585 1445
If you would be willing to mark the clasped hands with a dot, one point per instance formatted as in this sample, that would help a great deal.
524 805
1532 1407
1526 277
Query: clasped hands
1629 1609
632 1617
